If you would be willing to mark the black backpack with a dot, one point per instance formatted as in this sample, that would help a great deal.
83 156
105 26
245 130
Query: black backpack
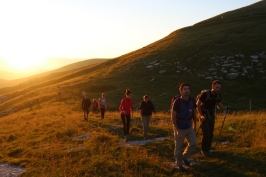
173 100
208 95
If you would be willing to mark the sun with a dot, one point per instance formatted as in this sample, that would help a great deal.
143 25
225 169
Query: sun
21 63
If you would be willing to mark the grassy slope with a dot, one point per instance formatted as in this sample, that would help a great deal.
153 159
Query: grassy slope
38 137
191 47
41 139
10 85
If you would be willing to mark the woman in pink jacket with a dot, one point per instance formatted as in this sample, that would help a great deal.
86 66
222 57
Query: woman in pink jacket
125 108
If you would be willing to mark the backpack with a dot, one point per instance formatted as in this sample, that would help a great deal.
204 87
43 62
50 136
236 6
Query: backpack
173 100
179 102
208 95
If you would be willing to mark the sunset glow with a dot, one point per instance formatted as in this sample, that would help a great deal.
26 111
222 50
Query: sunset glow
33 31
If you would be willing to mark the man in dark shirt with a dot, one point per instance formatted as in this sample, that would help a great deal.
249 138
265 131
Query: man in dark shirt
206 109
86 104
146 108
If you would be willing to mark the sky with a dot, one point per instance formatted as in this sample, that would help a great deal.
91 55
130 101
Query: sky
39 35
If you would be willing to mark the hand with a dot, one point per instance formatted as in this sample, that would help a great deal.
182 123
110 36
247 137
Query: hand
123 112
226 110
202 118
179 135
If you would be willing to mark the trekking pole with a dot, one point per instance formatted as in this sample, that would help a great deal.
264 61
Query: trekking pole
227 108
200 126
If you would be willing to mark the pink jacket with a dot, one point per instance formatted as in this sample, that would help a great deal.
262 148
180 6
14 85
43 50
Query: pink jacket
126 105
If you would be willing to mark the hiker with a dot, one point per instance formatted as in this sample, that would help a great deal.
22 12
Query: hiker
125 108
30 104
102 105
146 108
86 104
94 105
38 101
59 94
183 116
206 108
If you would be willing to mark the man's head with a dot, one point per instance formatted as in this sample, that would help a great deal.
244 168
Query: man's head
184 89
216 86
145 98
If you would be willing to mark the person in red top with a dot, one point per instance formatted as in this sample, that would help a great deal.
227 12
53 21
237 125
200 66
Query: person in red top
125 108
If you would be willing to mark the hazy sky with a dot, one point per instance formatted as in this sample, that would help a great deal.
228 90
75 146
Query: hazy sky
33 31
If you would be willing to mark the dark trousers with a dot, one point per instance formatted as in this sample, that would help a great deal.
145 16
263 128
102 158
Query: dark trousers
126 123
102 112
207 127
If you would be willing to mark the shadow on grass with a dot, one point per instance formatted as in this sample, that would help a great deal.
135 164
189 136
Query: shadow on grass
231 164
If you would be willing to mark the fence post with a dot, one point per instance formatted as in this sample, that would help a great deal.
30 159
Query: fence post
250 105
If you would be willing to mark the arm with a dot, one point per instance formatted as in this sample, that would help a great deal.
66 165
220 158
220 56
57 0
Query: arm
173 117
89 103
221 107
153 108
121 105
99 102
199 103
194 121
141 107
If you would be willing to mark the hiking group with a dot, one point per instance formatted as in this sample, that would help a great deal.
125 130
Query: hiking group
87 103
183 115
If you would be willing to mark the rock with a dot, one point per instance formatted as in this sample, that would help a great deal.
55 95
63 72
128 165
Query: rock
224 71
232 75
262 55
241 55
255 57
232 70
209 78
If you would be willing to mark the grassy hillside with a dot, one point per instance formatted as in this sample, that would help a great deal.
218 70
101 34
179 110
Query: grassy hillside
209 49
41 137
28 81
45 140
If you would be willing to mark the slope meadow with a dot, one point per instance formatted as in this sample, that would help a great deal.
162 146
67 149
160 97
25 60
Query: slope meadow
51 139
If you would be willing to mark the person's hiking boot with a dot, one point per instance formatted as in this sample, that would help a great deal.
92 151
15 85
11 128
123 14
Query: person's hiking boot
126 138
181 168
186 162
205 154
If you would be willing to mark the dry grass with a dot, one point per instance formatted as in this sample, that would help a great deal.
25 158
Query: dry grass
41 140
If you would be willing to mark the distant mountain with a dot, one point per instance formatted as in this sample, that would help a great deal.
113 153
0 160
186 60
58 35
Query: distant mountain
73 66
